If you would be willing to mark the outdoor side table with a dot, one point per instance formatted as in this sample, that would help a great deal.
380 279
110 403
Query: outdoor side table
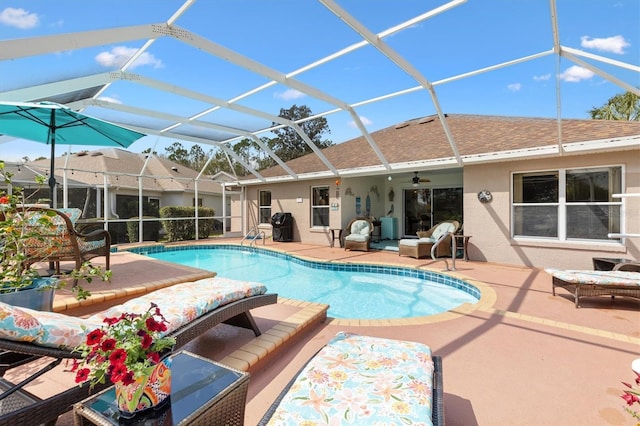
464 239
203 392
336 233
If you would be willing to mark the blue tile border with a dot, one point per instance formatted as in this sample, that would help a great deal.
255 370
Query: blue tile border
333 266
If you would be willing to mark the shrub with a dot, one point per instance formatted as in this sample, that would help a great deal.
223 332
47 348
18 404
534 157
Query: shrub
185 229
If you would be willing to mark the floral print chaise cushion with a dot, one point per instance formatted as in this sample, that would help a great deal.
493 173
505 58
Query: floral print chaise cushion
602 278
361 380
180 304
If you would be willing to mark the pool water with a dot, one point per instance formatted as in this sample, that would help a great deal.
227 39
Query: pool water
351 291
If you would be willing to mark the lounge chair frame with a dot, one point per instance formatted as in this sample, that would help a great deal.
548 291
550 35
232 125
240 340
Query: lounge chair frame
47 411
590 290
424 249
437 408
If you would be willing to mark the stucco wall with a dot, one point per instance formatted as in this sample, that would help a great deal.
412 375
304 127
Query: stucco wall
489 224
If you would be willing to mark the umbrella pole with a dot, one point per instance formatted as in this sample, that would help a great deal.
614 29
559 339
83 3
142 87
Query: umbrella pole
52 178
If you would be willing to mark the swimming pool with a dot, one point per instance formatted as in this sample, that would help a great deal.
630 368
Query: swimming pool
351 290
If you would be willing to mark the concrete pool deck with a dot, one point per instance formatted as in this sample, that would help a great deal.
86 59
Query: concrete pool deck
519 357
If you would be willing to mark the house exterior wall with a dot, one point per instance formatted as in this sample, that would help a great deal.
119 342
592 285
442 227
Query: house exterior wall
489 225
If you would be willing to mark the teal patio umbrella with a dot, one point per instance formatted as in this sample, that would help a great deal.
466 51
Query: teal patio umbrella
51 123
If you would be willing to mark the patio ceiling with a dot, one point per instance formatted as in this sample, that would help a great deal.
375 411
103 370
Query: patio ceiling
200 124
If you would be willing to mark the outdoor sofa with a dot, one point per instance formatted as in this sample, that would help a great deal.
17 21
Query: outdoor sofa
356 379
192 308
622 281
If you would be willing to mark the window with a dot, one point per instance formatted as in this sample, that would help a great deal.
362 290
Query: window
567 204
264 202
320 206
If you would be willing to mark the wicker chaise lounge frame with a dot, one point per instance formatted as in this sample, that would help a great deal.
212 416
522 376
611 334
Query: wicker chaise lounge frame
421 250
47 411
588 290
437 408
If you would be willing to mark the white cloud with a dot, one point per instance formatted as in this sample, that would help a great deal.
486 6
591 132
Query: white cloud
119 55
19 18
514 87
110 99
364 120
615 44
544 77
289 95
575 74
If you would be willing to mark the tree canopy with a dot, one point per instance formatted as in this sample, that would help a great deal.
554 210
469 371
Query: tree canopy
287 144
623 106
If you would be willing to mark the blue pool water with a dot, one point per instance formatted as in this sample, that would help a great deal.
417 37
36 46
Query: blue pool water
351 290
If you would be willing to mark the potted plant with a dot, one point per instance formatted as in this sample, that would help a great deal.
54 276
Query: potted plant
20 281
133 353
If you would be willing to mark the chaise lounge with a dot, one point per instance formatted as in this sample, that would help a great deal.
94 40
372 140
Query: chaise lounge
585 283
359 380
192 308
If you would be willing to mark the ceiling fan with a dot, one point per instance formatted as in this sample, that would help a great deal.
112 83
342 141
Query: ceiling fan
415 180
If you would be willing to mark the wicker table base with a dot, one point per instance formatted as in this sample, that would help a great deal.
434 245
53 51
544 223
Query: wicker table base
203 392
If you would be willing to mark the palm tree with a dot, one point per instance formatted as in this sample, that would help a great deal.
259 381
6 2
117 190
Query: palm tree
623 106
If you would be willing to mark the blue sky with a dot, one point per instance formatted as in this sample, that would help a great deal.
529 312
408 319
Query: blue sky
286 35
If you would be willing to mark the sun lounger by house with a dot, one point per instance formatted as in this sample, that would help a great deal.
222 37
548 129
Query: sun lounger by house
191 308
585 283
360 380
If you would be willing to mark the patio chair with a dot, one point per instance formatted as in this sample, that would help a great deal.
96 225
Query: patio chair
58 240
624 281
357 234
438 236
192 308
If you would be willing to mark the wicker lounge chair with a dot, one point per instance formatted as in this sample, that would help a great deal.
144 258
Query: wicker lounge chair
414 368
421 247
584 283
357 234
22 408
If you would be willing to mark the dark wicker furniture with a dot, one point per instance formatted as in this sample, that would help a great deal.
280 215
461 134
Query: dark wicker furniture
47 411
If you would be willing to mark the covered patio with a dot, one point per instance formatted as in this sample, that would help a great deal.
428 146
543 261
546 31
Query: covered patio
520 356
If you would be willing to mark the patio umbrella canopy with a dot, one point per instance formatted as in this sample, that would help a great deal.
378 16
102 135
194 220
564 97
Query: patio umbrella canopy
51 123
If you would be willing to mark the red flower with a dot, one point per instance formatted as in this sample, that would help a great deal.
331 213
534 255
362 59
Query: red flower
147 341
630 398
82 375
111 320
108 345
4 200
94 337
117 372
119 356
154 325
127 378
153 357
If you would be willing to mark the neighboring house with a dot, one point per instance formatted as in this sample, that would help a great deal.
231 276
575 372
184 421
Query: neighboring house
551 204
128 175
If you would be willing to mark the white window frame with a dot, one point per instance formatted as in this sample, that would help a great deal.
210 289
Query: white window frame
319 206
264 207
562 204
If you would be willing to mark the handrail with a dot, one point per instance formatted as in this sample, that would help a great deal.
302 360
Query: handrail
454 250
253 235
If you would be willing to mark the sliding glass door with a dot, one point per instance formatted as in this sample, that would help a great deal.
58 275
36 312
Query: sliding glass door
425 207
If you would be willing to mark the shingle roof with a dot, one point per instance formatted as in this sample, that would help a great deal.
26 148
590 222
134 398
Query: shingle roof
424 139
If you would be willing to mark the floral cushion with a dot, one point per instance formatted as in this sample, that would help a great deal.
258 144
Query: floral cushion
182 303
361 380
603 278
360 227
19 324
179 303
